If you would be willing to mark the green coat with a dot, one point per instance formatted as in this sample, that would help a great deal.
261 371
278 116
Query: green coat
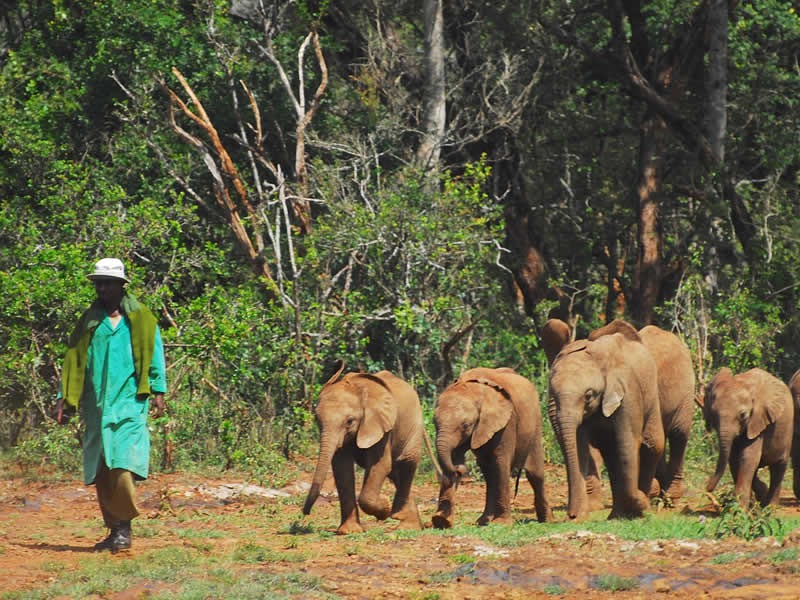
114 415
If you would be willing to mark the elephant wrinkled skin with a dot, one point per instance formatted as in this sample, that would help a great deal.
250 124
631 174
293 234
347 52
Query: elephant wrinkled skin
496 414
753 415
676 391
604 393
374 421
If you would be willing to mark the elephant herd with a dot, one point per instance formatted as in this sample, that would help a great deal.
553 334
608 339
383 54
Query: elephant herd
621 398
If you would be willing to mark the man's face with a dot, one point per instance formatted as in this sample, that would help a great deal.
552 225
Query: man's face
109 292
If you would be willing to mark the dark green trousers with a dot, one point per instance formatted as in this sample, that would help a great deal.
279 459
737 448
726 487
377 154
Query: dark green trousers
116 494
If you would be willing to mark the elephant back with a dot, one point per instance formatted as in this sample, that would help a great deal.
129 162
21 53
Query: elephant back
520 391
676 379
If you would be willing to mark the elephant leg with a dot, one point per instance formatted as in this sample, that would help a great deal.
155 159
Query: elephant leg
672 479
628 500
648 465
776 474
370 499
344 476
502 503
744 468
796 465
591 463
534 471
404 509
445 511
498 490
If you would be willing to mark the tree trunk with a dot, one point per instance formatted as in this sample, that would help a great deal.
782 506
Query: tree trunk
433 123
647 279
716 80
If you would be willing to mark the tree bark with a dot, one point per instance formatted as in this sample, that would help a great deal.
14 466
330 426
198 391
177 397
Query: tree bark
716 80
649 268
433 122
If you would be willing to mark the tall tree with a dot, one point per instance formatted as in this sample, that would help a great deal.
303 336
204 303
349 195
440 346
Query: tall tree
434 108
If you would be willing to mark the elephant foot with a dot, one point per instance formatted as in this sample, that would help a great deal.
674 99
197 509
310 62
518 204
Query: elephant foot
655 489
676 489
504 520
381 509
349 527
442 521
594 493
625 514
545 515
632 508
408 518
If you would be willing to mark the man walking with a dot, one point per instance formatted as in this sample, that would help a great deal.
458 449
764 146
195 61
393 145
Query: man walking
113 367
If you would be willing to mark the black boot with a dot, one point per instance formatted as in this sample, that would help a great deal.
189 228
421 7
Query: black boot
106 543
118 539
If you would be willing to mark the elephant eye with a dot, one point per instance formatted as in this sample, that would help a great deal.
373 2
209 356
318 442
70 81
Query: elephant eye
588 396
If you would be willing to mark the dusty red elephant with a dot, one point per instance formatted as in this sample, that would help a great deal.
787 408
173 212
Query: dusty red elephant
496 414
753 415
374 421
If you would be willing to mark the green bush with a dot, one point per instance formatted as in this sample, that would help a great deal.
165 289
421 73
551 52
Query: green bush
747 523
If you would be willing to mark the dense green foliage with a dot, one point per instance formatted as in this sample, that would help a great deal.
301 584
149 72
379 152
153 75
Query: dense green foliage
395 271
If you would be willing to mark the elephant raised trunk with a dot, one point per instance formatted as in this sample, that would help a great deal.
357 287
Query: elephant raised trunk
726 438
326 449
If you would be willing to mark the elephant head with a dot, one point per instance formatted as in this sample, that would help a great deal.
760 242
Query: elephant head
467 415
735 405
554 336
358 410
586 379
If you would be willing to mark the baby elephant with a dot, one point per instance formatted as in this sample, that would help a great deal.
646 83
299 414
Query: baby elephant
753 415
376 422
495 413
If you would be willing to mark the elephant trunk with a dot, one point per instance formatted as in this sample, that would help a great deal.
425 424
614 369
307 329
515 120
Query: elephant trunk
725 442
568 434
444 451
327 447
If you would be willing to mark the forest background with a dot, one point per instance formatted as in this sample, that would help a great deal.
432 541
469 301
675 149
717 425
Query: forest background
415 186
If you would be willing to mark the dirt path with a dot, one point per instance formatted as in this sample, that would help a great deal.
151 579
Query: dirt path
47 524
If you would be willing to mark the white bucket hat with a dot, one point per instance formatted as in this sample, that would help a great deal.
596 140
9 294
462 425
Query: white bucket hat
109 268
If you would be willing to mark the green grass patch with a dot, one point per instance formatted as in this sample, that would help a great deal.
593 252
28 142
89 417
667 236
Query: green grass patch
253 553
727 558
615 583
784 555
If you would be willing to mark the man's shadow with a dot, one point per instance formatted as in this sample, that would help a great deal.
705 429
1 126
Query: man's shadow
58 547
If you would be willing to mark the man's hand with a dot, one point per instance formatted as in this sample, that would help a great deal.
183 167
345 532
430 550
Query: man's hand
63 413
157 405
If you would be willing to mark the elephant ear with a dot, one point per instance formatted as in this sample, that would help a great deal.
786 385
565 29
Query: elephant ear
612 396
380 412
768 403
495 412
